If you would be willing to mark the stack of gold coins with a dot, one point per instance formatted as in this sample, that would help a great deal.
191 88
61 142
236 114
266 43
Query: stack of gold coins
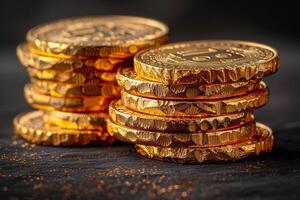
193 102
72 65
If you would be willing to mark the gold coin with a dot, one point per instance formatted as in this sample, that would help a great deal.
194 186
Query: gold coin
72 90
89 77
79 121
262 141
32 128
67 104
30 59
119 114
200 108
165 139
215 61
133 84
104 36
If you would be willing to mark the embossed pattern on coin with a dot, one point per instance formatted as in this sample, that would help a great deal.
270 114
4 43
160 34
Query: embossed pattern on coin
104 36
201 108
262 141
121 115
79 104
165 139
212 61
79 121
135 85
32 128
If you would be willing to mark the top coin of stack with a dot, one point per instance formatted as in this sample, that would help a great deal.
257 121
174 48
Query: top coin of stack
193 102
72 65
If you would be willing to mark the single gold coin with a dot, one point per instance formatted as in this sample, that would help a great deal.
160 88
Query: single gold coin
67 104
208 61
262 141
31 127
133 84
119 114
83 76
29 58
58 89
79 121
104 36
183 139
200 108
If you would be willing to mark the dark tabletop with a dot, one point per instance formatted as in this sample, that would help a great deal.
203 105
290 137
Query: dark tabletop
118 172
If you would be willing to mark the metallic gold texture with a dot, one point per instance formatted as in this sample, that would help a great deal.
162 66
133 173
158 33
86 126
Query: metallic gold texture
79 104
121 115
183 139
79 121
200 108
32 128
101 36
133 84
262 141
211 61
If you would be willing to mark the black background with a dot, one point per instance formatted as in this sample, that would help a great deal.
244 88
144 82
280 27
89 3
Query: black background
274 176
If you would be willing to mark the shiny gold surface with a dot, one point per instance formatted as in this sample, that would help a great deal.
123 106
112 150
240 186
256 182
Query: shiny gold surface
72 90
104 36
32 128
262 141
79 121
200 108
133 84
29 58
79 104
211 61
88 76
183 139
121 115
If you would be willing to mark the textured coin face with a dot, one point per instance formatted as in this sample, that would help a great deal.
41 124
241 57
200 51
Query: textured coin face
206 61
262 141
32 127
96 36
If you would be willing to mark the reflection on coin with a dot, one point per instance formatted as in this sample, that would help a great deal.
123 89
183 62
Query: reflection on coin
29 58
135 85
104 36
124 116
165 139
262 141
72 90
67 104
211 61
200 108
86 76
32 128
79 121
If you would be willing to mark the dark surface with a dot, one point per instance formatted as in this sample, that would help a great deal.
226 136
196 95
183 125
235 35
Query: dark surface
117 172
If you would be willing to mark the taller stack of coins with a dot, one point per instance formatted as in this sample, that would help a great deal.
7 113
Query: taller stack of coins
72 65
193 102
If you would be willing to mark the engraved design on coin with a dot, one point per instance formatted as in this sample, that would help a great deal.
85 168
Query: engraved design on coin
203 54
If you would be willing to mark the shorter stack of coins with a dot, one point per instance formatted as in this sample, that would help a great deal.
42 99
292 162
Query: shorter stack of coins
193 102
72 65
